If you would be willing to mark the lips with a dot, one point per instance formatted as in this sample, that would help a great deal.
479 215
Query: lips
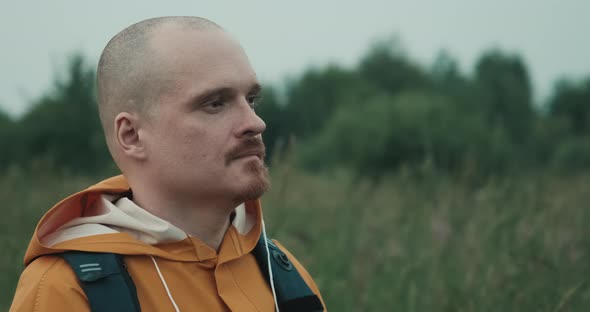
259 152
249 147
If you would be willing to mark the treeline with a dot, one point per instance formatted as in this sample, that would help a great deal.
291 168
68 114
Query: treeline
61 129
390 112
384 113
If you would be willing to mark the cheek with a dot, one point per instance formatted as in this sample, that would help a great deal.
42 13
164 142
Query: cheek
200 145
190 139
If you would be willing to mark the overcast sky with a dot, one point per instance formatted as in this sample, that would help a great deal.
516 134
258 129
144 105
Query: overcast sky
282 38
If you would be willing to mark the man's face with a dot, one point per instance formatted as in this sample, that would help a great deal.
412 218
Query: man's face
203 138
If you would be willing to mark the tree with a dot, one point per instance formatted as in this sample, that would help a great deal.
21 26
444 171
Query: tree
63 125
572 101
448 80
386 67
412 128
505 93
312 99
7 140
272 111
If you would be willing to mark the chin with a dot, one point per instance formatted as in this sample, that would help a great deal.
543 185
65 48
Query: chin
255 185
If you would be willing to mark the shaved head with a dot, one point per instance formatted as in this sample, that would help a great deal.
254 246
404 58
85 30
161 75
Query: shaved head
176 100
129 70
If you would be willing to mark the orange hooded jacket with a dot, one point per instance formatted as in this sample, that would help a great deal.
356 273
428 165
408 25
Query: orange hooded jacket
171 270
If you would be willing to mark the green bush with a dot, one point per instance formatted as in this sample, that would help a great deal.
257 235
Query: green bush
386 132
573 154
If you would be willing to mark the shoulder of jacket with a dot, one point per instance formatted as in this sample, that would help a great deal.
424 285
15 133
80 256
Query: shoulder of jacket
45 280
49 267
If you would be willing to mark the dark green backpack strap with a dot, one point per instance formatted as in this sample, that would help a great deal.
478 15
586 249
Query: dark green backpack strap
105 281
293 293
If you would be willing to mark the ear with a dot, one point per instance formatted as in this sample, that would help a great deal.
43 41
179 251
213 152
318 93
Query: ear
127 132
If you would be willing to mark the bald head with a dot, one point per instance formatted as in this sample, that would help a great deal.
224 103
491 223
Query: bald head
128 73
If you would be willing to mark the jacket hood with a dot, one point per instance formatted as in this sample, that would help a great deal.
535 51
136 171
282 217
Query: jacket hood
102 218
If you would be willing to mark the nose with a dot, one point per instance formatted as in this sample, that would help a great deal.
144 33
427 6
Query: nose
251 124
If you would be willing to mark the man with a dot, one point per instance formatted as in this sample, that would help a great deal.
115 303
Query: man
176 101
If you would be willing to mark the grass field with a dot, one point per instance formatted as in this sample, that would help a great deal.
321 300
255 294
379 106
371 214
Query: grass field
406 243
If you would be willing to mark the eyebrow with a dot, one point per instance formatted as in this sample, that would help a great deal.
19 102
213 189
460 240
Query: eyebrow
255 88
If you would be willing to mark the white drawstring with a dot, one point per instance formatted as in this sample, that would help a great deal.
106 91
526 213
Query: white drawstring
165 285
272 283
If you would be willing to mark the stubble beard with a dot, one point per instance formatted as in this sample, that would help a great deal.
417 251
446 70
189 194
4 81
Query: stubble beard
259 183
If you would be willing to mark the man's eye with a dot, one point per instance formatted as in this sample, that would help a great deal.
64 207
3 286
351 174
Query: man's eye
253 99
214 104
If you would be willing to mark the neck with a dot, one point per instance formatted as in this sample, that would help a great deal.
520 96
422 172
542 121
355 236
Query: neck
207 220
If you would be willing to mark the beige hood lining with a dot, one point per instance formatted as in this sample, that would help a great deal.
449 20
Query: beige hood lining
115 214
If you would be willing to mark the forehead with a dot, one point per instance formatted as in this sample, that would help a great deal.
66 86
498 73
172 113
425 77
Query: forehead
200 59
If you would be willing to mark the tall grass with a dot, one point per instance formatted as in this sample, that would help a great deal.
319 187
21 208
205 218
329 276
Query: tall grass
406 243
431 243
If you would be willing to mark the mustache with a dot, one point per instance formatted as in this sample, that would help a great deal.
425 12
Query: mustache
248 147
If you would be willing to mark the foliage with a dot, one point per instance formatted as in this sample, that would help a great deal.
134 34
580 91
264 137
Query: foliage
505 93
572 154
63 126
438 244
383 114
272 111
572 101
7 142
394 220
314 98
412 128
387 67
406 243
